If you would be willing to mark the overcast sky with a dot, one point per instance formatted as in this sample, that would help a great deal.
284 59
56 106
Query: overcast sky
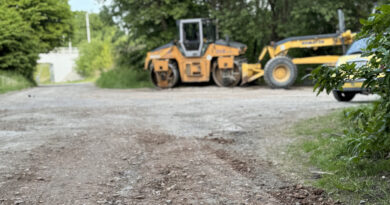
85 5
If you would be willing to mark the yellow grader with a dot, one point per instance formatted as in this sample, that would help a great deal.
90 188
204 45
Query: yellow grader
198 55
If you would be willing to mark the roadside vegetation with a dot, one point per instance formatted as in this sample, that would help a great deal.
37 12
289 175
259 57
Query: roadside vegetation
97 56
324 146
124 78
28 28
102 58
42 74
10 81
352 148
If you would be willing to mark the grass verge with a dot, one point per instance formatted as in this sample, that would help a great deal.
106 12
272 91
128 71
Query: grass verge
321 146
42 74
11 81
124 78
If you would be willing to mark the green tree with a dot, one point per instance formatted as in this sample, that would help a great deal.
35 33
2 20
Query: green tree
258 22
97 56
18 44
253 22
243 21
51 20
30 27
320 16
151 23
80 28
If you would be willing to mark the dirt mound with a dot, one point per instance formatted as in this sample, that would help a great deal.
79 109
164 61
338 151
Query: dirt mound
302 195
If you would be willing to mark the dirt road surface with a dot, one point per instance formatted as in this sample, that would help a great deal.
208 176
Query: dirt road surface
77 144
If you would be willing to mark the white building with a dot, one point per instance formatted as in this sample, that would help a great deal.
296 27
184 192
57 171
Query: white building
62 63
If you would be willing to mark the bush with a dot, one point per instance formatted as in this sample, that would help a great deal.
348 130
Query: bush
129 53
95 57
10 81
124 78
369 134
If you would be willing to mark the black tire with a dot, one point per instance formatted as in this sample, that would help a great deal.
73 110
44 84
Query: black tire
217 76
286 65
173 77
343 96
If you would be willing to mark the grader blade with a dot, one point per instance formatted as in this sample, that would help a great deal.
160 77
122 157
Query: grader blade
251 72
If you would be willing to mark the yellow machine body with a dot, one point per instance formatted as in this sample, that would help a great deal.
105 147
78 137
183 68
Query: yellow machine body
194 69
198 55
252 72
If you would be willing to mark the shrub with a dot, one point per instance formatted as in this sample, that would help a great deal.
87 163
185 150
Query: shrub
10 81
124 78
369 135
95 57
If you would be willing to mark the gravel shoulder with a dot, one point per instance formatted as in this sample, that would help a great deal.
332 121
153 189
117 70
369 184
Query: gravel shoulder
77 144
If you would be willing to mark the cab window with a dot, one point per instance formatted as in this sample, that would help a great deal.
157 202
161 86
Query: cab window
191 36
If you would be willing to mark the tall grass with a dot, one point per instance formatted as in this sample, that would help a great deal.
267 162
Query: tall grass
11 81
325 146
42 74
124 78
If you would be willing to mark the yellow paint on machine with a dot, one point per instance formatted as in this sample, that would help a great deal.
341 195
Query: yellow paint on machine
353 85
195 69
251 72
222 59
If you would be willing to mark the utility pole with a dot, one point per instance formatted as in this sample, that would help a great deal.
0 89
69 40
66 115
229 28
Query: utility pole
342 27
88 32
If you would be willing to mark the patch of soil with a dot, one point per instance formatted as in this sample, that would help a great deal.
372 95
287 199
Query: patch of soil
303 195
147 138
243 167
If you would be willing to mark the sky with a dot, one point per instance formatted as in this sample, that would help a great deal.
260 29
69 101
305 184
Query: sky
85 5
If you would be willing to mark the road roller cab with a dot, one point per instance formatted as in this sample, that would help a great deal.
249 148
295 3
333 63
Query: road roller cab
196 57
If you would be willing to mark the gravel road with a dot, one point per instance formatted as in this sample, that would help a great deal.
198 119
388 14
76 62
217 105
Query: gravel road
78 144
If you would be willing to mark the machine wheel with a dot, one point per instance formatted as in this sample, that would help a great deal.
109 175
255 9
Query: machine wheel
280 72
343 96
226 77
165 79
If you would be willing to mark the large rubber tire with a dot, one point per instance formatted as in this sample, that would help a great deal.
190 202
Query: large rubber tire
280 72
217 76
343 96
173 76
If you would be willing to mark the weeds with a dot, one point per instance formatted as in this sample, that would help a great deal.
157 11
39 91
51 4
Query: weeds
124 78
327 145
11 81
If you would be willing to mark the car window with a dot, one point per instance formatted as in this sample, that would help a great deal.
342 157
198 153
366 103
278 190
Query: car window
358 46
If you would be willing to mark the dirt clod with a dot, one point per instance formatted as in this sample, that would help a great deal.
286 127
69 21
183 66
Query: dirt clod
300 194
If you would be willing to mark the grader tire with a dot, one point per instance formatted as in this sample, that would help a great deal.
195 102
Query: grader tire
280 72
171 78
